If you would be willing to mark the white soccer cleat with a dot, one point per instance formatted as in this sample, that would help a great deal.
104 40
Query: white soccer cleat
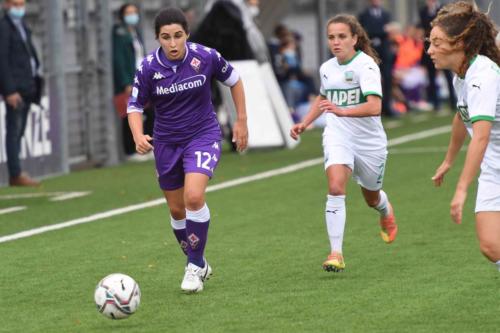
192 282
206 272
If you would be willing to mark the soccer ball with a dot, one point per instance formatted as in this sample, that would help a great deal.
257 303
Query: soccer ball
117 296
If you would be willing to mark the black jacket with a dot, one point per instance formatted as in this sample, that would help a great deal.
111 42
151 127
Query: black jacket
374 26
16 73
222 29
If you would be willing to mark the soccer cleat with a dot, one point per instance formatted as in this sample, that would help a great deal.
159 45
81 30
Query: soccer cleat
389 227
334 263
192 282
206 272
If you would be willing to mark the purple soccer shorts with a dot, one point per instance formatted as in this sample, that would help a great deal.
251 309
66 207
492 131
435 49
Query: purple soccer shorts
173 161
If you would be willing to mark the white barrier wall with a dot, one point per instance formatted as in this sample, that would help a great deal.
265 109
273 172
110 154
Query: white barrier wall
269 120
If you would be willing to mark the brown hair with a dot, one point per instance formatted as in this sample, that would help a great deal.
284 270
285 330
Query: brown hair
363 43
463 22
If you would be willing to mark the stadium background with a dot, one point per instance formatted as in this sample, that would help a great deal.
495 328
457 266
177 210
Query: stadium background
79 128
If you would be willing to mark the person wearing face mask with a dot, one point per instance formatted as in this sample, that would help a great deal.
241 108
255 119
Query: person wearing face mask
18 84
128 52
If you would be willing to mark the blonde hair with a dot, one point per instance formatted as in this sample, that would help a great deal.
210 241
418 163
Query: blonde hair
363 42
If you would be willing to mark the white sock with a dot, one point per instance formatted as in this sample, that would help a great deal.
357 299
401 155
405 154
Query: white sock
177 224
335 221
498 265
383 205
202 215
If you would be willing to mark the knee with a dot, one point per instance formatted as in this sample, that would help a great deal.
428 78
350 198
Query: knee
336 189
194 200
490 249
178 212
372 202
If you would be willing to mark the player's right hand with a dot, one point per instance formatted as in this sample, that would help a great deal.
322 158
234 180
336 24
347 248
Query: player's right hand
296 130
143 145
438 177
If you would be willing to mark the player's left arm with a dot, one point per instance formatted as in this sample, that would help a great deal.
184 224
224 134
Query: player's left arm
475 153
482 108
227 75
240 129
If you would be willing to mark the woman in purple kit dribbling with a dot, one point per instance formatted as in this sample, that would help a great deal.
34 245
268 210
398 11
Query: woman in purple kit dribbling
176 79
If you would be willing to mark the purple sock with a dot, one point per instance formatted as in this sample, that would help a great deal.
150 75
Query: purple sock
197 223
179 229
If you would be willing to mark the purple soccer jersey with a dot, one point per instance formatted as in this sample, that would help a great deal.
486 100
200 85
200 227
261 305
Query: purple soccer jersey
181 93
186 135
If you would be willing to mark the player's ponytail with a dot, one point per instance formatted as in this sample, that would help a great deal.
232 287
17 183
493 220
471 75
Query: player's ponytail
363 43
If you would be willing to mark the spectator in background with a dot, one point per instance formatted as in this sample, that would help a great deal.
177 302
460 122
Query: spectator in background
242 15
374 20
128 52
191 15
297 86
280 33
409 74
427 13
19 84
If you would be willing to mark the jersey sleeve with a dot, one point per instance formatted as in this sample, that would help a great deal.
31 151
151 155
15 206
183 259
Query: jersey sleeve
223 70
322 90
140 90
482 94
370 80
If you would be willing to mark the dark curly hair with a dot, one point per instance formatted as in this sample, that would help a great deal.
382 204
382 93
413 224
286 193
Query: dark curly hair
463 23
363 42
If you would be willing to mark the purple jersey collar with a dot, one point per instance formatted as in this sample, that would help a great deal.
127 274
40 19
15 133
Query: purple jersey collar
166 63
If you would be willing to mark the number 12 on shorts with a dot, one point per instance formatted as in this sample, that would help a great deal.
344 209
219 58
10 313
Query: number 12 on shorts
200 156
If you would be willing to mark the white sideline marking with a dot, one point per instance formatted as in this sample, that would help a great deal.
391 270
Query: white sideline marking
57 196
419 135
230 183
12 209
69 195
421 150
393 124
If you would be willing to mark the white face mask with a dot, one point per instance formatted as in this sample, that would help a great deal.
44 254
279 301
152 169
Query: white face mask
254 10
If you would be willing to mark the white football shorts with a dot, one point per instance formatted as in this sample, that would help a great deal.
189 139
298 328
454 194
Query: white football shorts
488 190
367 166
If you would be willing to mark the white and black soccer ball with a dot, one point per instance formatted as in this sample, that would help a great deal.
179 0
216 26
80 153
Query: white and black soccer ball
117 296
